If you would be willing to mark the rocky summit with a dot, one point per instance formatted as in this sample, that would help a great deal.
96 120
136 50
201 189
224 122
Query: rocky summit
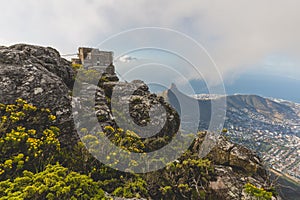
40 76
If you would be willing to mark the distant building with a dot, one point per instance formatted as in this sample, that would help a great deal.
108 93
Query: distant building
92 58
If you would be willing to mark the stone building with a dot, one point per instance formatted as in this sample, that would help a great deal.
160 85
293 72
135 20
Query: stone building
92 58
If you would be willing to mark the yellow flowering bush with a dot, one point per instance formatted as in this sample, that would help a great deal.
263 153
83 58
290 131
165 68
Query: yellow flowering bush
257 193
125 140
76 66
28 140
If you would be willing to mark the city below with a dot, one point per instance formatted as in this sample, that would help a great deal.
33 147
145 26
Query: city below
272 131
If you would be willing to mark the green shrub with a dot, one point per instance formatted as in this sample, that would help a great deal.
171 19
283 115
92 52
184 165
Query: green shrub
258 193
55 182
135 188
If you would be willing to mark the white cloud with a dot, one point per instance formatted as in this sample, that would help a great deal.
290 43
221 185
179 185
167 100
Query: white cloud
238 34
126 59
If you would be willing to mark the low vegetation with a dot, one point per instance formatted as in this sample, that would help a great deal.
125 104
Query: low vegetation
258 193
34 164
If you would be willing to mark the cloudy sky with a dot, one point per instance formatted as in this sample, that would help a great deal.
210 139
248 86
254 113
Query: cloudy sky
239 36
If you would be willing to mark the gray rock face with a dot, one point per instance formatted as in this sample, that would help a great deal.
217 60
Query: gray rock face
236 156
129 106
236 166
230 184
40 76
45 57
141 109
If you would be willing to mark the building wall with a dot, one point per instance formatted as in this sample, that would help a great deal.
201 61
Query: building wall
101 58
82 53
95 59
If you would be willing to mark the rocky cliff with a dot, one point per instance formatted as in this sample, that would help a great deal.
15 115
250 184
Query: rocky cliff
42 77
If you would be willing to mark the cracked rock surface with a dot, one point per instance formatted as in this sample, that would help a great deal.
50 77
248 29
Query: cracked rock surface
40 76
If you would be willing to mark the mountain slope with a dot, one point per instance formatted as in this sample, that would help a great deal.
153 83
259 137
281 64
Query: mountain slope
261 105
268 126
40 76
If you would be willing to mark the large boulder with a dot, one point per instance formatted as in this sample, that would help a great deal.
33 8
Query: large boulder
237 157
40 76
46 57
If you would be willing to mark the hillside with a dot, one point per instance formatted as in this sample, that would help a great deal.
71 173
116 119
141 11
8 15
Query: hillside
267 126
241 108
264 106
48 152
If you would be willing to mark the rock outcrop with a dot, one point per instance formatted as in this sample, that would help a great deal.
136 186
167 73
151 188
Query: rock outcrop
236 156
129 106
40 76
45 57
135 101
235 167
